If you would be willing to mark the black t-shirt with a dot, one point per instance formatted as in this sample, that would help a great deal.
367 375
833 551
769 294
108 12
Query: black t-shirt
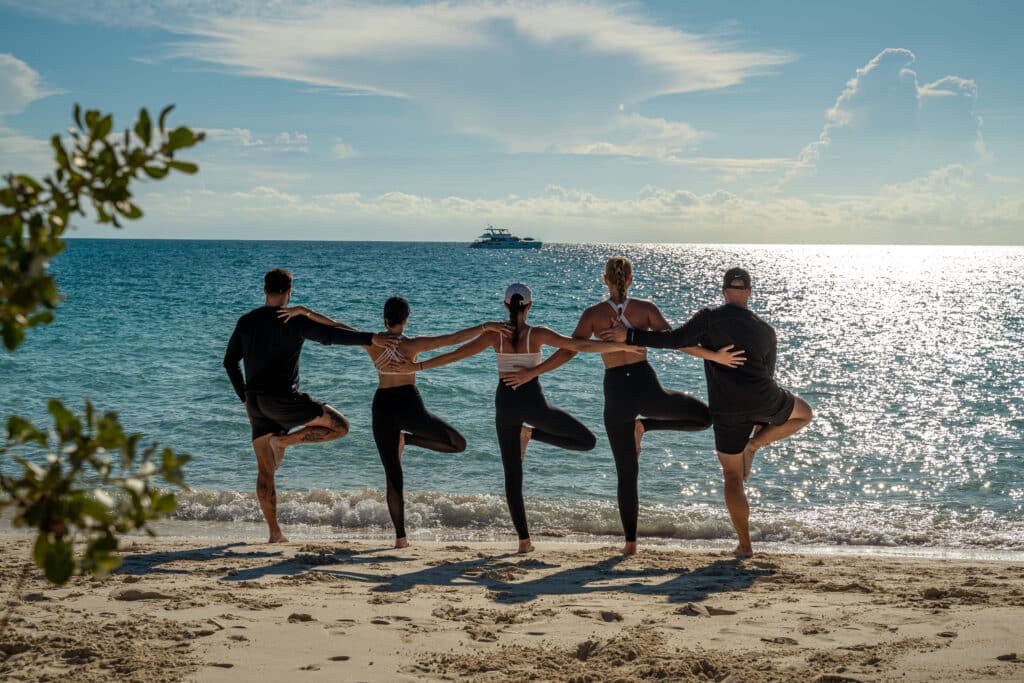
270 349
733 393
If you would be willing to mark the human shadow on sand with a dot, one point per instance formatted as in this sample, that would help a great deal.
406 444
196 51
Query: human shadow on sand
680 584
304 562
159 562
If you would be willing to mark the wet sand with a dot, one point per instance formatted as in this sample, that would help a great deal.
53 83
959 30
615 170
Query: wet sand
211 610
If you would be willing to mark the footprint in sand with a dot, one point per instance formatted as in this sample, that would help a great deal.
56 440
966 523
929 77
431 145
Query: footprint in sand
339 658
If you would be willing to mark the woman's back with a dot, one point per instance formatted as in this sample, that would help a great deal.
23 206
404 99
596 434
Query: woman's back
382 357
518 353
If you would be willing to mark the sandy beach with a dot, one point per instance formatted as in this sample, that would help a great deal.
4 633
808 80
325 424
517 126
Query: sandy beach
212 610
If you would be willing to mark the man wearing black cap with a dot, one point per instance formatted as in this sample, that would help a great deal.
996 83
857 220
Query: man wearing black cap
748 409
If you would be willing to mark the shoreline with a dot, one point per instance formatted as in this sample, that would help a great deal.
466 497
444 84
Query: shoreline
215 609
253 533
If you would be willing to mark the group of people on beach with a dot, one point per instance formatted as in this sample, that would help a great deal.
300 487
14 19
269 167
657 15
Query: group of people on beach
746 408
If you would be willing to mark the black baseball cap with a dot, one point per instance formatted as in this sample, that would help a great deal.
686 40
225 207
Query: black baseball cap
736 274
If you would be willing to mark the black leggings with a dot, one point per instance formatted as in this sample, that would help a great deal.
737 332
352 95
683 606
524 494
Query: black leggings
401 409
630 391
513 408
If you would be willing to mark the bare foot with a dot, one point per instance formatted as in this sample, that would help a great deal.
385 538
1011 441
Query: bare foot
277 450
629 548
638 435
525 546
402 542
742 553
277 538
748 460
525 434
401 447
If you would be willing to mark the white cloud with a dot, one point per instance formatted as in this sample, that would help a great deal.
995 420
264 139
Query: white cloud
942 206
20 85
242 136
638 136
885 124
527 73
343 150
283 141
23 154
292 140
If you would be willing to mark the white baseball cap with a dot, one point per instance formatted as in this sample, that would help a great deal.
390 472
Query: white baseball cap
520 289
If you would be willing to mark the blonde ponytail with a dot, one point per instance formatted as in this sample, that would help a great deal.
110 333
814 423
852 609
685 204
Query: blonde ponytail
618 270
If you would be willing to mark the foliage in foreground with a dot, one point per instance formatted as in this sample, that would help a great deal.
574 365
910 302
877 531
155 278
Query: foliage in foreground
70 498
96 483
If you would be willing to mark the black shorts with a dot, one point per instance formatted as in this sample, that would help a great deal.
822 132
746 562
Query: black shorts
278 413
731 437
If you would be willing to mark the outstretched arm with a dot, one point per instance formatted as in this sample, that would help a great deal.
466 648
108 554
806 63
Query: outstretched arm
481 343
552 338
687 335
723 356
418 344
584 329
287 314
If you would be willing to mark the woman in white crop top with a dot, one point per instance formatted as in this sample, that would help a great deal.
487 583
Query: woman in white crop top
523 414
399 416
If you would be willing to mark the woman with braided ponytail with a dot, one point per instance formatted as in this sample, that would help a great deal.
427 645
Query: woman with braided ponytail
631 387
523 414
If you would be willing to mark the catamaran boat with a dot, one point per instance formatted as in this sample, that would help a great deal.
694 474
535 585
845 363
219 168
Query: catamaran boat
500 238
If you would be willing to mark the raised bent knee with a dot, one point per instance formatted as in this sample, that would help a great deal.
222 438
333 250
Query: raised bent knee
589 442
458 443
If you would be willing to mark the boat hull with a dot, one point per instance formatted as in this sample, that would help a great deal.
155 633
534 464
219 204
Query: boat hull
509 245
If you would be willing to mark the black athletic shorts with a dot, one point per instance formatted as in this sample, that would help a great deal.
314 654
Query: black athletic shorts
278 413
731 436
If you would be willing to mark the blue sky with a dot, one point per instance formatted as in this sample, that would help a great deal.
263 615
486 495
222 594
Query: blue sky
810 122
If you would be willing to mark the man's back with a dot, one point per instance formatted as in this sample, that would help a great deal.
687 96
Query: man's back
270 349
750 388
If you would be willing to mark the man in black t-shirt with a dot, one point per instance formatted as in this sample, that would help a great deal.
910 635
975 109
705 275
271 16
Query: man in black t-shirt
748 409
270 349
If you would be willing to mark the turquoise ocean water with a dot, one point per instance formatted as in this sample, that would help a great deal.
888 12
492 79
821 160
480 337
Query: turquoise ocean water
911 357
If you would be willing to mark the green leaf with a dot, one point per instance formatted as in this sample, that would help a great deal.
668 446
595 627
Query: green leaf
20 430
155 172
91 117
40 550
144 127
165 504
59 153
13 335
41 318
77 113
103 127
63 419
129 210
29 181
183 166
163 115
59 563
180 138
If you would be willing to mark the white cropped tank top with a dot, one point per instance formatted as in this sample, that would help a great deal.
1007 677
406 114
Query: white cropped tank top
510 362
